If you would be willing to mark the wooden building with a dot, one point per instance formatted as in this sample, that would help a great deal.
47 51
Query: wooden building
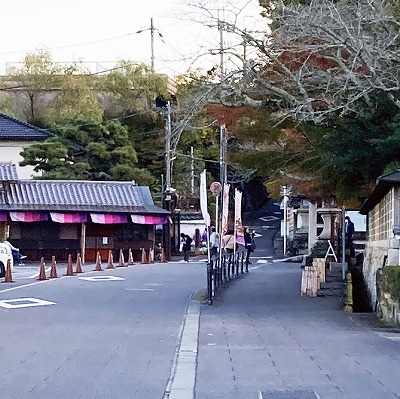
59 217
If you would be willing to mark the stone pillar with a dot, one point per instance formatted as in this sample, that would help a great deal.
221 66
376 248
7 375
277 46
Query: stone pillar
327 214
302 220
312 226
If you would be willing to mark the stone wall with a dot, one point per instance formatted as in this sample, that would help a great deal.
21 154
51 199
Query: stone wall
375 253
388 308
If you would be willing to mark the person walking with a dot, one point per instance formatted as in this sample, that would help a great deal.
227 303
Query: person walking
197 241
214 243
187 244
349 235
248 244
229 241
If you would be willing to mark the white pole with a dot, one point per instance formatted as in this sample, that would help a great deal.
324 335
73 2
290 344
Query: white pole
284 219
216 212
191 171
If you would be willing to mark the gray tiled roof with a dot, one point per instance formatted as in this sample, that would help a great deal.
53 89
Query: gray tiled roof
13 129
66 195
8 171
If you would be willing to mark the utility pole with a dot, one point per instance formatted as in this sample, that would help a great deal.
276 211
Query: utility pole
152 45
168 149
221 49
191 171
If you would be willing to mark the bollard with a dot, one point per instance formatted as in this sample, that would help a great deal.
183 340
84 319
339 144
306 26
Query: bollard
78 264
8 275
42 271
70 270
110 264
53 271
130 257
98 263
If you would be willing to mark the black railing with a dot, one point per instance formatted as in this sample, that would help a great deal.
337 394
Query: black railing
222 270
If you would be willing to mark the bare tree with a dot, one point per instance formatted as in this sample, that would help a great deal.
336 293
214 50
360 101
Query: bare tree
323 58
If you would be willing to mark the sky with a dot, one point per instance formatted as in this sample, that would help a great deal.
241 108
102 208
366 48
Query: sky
101 32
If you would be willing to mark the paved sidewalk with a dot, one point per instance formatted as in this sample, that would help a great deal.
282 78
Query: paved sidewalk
261 339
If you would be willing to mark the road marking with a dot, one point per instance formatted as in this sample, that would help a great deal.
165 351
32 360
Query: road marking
211 344
24 303
102 278
36 275
27 285
262 261
268 218
139 289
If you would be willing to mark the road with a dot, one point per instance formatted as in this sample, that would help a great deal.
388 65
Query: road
99 339
138 332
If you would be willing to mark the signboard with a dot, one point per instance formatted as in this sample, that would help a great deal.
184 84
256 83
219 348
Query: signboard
215 188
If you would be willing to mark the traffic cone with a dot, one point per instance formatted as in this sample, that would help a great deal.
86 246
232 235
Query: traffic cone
78 264
42 272
53 271
130 257
98 263
70 270
121 259
151 255
8 275
110 260
163 258
144 257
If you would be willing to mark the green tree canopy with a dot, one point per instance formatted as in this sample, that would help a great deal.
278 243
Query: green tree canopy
92 151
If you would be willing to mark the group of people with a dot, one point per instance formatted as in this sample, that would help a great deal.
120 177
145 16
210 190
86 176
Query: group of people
228 243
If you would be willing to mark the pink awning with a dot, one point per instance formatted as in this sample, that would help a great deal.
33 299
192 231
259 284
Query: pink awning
108 218
3 217
149 219
29 216
68 217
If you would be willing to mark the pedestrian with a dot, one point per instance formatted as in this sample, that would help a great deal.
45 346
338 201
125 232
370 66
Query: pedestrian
229 241
197 241
349 235
17 257
248 244
204 236
187 244
214 243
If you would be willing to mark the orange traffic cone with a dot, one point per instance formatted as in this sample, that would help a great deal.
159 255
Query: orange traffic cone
163 258
42 272
151 255
121 259
110 260
78 264
70 270
144 257
8 275
53 271
98 263
130 257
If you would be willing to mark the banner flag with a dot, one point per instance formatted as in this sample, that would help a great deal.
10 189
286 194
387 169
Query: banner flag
203 198
225 209
238 217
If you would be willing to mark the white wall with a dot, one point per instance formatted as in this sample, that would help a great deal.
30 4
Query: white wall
10 152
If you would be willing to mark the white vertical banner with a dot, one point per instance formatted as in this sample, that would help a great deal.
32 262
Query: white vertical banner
238 217
225 209
203 198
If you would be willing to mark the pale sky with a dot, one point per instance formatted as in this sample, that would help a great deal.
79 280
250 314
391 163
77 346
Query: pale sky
102 32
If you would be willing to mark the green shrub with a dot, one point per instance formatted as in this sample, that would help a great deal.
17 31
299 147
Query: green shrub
391 277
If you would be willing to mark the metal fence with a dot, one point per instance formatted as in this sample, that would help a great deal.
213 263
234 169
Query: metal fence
222 270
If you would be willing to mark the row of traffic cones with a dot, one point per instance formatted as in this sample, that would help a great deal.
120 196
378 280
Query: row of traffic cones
146 259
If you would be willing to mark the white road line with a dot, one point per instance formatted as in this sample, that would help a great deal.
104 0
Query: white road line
36 275
139 289
260 395
27 285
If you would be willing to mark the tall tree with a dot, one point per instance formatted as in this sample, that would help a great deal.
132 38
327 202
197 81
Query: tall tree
95 152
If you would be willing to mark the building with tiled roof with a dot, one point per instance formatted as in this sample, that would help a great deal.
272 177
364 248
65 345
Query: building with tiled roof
16 135
59 217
